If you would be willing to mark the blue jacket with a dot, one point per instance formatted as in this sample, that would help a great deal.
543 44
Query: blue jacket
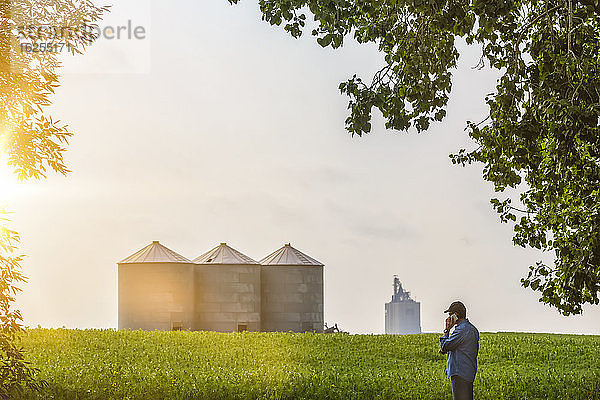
462 347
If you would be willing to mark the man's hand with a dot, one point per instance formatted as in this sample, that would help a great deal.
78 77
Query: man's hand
449 323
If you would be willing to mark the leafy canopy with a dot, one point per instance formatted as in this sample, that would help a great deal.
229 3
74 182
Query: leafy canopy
31 141
541 137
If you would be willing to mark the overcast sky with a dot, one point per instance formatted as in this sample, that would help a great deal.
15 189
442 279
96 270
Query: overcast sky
217 128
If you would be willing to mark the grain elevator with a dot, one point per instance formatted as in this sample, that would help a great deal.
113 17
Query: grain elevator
402 314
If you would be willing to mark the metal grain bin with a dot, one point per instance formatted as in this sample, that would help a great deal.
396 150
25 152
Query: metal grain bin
227 295
156 290
292 291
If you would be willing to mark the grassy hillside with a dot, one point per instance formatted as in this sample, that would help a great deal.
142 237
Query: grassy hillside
106 364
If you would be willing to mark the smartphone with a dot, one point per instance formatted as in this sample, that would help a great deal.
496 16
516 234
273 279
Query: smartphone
453 318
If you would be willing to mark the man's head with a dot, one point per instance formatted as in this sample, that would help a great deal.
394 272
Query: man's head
457 308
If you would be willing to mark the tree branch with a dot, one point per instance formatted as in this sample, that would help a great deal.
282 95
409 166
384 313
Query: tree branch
536 19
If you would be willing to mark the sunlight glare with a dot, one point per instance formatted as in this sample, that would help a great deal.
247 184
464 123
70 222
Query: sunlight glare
8 183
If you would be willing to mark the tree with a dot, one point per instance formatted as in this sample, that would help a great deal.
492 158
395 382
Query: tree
31 141
541 138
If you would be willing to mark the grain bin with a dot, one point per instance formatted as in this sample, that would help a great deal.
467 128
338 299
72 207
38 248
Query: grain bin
227 295
156 290
292 291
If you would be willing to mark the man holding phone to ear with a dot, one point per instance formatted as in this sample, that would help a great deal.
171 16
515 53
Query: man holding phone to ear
462 347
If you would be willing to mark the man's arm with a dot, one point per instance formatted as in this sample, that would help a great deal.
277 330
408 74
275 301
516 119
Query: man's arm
449 343
449 323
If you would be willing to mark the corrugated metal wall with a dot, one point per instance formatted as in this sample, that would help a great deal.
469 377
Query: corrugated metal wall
227 297
292 298
156 296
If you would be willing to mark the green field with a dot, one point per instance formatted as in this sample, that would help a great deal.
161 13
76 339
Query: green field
105 364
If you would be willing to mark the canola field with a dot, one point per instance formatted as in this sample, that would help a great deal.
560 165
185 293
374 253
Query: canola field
106 364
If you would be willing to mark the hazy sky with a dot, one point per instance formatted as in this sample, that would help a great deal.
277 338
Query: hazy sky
220 128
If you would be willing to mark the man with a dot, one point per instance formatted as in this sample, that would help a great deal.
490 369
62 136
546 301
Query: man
462 347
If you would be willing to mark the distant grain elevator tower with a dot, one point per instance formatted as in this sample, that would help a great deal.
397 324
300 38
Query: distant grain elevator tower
221 290
402 314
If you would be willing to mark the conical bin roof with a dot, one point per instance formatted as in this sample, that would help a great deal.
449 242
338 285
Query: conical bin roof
287 255
223 254
155 253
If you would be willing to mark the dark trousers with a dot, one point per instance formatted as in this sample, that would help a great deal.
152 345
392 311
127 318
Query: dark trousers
461 388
